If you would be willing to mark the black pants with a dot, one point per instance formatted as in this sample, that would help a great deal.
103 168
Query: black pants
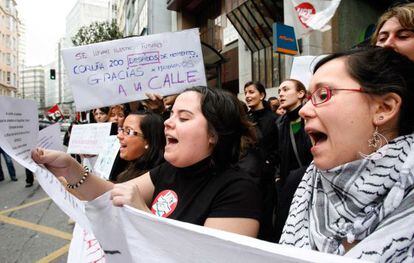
29 177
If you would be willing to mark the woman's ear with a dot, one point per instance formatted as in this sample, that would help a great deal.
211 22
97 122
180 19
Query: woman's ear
213 138
387 108
301 94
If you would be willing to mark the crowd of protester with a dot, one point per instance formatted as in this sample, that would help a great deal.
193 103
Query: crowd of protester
327 167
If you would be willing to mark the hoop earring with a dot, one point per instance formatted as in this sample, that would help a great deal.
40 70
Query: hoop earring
376 141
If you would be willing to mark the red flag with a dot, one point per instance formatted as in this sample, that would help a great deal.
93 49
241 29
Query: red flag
54 113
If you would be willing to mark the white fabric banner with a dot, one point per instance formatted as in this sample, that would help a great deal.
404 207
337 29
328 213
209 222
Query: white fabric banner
69 204
309 15
84 247
123 70
131 235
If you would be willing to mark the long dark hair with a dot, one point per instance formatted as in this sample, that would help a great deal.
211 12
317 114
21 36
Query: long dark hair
152 127
227 120
380 71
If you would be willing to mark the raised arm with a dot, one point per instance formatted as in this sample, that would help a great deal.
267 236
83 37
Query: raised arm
63 165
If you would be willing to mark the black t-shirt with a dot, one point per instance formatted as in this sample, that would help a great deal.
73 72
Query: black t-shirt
195 193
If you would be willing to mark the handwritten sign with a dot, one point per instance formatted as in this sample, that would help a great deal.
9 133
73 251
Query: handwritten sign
88 138
49 138
123 70
18 129
106 158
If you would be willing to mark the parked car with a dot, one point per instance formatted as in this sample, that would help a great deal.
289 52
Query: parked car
64 126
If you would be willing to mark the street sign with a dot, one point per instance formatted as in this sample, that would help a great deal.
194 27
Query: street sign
284 40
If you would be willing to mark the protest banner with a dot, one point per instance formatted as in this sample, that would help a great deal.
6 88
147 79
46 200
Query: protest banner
19 129
67 202
88 138
123 70
84 247
132 235
49 138
106 158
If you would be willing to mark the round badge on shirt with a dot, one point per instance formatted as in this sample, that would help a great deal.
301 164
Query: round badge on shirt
165 203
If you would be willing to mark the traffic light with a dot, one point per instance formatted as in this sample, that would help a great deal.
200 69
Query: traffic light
52 73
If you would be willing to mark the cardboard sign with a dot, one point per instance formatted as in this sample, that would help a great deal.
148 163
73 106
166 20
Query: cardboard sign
123 70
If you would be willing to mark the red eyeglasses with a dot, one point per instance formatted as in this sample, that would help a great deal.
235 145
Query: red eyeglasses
324 93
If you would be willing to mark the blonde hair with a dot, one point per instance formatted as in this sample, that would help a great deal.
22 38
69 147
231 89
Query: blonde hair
404 14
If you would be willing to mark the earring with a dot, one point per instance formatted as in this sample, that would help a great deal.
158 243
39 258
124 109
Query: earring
146 147
376 141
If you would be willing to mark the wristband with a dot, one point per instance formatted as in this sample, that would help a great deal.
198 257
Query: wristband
85 175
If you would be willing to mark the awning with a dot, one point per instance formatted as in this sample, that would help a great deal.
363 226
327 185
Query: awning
211 56
253 21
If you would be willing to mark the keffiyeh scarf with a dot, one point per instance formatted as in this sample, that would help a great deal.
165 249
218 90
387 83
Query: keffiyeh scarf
367 202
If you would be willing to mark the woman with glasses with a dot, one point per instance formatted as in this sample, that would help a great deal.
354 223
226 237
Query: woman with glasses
294 149
395 29
199 182
356 198
142 143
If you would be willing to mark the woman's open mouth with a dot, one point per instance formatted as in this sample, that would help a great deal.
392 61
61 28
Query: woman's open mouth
317 137
171 140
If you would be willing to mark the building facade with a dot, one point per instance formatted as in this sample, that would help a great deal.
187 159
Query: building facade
143 17
9 39
83 13
250 56
32 82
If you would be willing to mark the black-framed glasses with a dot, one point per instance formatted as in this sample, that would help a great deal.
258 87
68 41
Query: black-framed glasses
324 93
129 132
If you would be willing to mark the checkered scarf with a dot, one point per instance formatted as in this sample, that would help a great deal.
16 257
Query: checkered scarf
369 201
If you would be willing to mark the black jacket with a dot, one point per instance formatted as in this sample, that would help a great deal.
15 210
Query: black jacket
290 173
288 161
267 132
